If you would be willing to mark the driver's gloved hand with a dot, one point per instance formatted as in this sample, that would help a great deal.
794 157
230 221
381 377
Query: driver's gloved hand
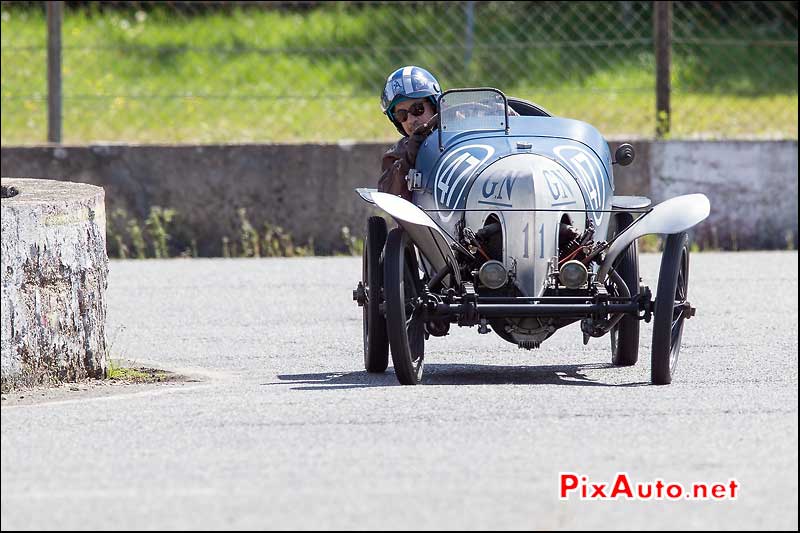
417 137
428 127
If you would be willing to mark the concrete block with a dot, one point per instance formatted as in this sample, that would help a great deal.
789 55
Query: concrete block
752 187
54 277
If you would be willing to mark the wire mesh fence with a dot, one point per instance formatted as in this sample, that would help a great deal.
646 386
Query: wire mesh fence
313 71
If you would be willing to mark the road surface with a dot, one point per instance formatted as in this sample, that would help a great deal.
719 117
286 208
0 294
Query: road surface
280 427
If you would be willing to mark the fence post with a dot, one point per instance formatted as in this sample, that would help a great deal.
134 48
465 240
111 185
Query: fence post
662 19
469 10
54 17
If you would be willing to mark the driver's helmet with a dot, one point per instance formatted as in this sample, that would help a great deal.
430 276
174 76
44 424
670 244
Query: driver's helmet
406 83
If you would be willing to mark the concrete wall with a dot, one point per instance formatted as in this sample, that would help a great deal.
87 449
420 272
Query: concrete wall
308 189
752 187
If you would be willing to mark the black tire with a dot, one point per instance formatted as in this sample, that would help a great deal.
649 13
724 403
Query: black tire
376 341
668 315
625 335
402 284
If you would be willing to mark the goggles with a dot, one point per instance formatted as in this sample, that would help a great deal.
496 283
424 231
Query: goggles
416 109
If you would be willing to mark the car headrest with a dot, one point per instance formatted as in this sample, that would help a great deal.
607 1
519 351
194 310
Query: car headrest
527 109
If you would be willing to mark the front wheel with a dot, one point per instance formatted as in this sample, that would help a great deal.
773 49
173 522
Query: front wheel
376 344
402 289
625 335
670 308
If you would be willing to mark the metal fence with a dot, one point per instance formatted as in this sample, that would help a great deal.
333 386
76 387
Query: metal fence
313 71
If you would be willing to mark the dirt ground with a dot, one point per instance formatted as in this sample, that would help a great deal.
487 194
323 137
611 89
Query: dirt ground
126 378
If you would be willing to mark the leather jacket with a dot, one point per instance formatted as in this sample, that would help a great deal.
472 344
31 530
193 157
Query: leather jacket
394 168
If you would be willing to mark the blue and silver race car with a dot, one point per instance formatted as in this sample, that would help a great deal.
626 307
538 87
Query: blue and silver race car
514 228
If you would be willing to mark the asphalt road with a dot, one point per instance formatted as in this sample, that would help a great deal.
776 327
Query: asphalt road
282 428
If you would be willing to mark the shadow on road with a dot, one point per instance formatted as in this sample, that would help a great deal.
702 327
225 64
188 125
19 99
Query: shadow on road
458 374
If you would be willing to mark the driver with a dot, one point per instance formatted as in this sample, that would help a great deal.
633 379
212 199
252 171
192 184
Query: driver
409 100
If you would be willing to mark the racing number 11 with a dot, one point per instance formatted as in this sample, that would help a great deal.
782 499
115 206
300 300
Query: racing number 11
541 241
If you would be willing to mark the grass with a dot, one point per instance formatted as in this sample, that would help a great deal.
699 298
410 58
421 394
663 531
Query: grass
289 76
165 233
205 120
117 372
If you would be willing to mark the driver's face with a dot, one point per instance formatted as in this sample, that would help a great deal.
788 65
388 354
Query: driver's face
413 122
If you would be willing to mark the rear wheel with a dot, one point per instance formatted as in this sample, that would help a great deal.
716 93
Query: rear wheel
625 335
402 289
376 342
670 308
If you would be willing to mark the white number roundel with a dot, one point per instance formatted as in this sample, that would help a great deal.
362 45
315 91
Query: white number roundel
454 174
585 166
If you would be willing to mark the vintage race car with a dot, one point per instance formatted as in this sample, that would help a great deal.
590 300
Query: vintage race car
514 227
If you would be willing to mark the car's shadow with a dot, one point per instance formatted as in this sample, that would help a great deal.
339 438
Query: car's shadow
458 374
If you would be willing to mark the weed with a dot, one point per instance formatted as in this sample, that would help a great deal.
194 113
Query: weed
126 238
138 375
123 250
251 246
278 243
157 224
650 243
354 245
137 239
114 370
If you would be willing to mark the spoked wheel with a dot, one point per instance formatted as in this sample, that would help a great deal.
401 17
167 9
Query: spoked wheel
625 335
402 287
376 342
670 308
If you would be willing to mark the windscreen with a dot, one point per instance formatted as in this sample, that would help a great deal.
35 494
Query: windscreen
478 109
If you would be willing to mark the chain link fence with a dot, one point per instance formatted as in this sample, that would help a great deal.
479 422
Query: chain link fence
313 71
